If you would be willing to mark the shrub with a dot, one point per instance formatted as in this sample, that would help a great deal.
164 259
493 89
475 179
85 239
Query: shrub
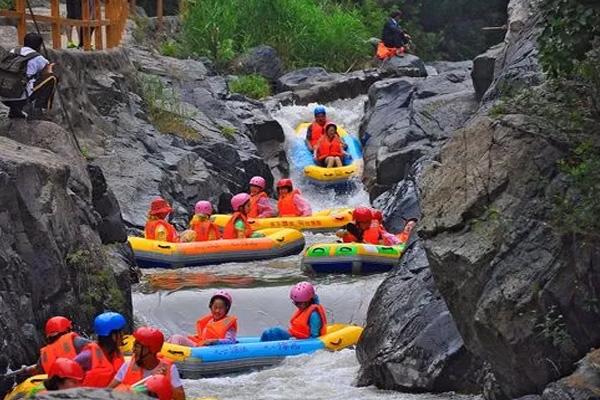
254 86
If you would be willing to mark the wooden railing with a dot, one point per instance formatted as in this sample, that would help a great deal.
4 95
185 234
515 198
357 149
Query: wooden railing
109 27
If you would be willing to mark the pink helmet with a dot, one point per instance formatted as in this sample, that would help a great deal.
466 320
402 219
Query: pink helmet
258 181
239 200
224 294
203 207
302 292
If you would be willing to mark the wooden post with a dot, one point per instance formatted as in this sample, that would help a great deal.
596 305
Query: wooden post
98 31
56 33
159 14
85 17
21 26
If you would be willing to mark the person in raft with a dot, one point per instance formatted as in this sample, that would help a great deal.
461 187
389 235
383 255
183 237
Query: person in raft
102 359
202 227
216 327
329 150
238 226
260 204
156 387
317 128
157 227
367 228
146 362
291 203
64 374
308 321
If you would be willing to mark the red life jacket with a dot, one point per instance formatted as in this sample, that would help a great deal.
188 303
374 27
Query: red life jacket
254 212
205 230
384 52
328 148
62 347
229 232
299 326
373 234
286 205
135 373
208 329
153 225
316 131
102 370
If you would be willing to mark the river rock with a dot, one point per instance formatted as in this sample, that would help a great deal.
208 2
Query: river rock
406 65
583 384
262 60
91 394
483 69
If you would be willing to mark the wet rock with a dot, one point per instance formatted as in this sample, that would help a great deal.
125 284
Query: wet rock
583 384
262 60
91 394
410 342
407 65
393 166
483 69
505 271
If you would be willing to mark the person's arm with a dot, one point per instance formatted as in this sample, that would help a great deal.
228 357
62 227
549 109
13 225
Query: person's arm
315 324
84 359
265 210
303 206
230 337
308 137
119 376
178 392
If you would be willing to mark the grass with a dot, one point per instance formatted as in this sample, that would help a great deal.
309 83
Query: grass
228 132
254 86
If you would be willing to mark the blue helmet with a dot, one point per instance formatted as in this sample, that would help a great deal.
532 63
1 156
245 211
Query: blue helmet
107 322
320 110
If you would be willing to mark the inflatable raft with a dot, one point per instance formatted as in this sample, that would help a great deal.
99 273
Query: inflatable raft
157 254
302 159
351 258
320 221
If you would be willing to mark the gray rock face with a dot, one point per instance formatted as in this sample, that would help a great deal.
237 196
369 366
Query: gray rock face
517 288
483 69
262 60
582 384
410 342
407 65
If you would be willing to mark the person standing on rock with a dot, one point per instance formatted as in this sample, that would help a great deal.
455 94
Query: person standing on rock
394 39
27 78
317 128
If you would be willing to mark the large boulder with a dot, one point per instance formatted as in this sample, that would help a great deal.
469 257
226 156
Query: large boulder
406 65
516 286
583 384
483 69
262 60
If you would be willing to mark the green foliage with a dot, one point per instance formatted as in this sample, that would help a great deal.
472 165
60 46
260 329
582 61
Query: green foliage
228 132
171 48
254 86
141 26
165 109
7 4
553 327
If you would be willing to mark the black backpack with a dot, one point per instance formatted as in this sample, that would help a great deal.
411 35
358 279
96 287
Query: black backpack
13 72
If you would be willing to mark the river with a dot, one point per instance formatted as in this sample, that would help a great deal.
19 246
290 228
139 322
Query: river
173 300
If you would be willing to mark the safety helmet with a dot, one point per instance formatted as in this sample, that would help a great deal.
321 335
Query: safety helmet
377 214
286 182
149 337
319 110
258 181
302 292
159 385
223 294
56 325
107 322
239 200
159 206
203 207
66 368
362 214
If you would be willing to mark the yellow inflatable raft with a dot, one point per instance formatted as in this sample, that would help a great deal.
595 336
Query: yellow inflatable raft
320 221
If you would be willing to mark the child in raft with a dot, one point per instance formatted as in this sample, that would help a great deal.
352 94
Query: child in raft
157 227
201 227
238 226
291 203
367 227
329 151
260 204
216 327
308 321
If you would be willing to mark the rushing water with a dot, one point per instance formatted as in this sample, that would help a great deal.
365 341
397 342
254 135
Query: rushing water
173 300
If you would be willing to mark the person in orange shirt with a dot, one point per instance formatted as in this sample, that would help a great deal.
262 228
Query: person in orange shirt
204 229
157 227
216 327
317 128
308 321
260 204
291 203
329 150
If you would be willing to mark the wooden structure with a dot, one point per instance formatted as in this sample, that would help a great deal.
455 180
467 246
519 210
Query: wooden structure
107 22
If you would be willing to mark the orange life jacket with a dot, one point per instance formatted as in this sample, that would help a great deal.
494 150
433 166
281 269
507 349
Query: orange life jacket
384 52
205 230
286 205
373 234
135 373
229 232
153 225
254 204
102 370
316 131
329 148
208 329
62 347
299 327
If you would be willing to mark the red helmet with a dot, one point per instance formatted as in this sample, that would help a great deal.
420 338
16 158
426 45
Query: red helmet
286 182
160 386
65 368
377 214
56 325
362 214
149 337
159 206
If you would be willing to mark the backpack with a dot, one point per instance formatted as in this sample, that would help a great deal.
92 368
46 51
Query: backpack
13 73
